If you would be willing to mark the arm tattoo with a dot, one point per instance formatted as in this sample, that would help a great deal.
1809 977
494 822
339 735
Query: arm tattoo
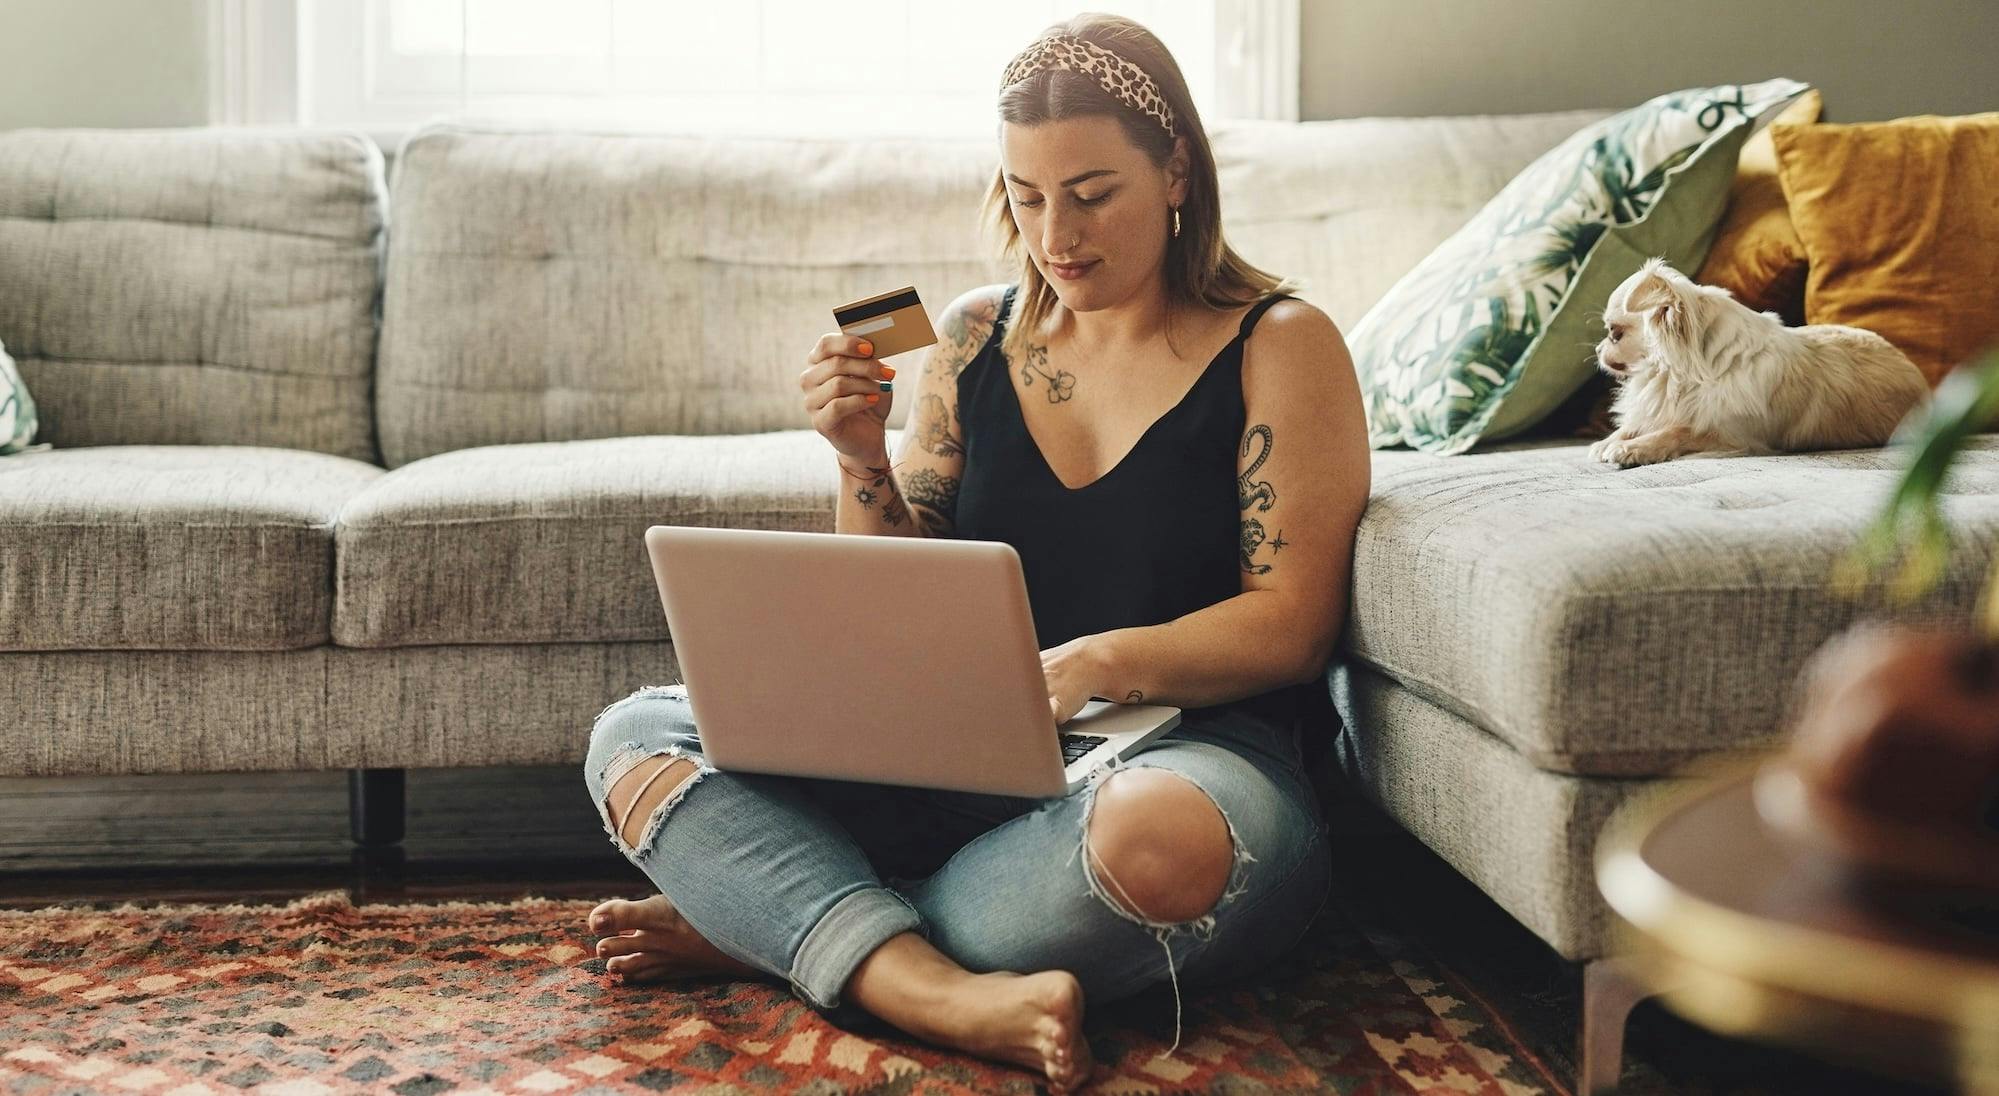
1258 494
1061 383
933 430
935 499
1252 539
867 495
1262 494
965 330
933 496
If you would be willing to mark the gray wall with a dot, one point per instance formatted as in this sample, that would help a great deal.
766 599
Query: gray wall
1872 59
109 63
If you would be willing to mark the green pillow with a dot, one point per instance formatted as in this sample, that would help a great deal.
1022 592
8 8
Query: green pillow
1494 329
17 409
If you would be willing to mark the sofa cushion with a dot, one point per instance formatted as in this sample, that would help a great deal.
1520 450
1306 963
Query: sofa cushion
170 547
551 286
209 286
1624 622
1900 221
543 542
1756 254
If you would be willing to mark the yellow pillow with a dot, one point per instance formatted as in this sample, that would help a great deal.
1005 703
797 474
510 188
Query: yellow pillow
1900 222
1756 253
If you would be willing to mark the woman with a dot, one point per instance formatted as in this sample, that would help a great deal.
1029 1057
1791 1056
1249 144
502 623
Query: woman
1177 453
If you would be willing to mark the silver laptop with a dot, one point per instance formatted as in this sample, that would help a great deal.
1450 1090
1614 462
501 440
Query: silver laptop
894 660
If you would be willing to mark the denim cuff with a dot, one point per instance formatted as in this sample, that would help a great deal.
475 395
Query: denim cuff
847 934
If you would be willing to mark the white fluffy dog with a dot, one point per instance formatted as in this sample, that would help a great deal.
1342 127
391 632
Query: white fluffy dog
1704 375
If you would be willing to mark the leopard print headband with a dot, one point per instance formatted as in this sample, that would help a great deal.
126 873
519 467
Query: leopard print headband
1120 77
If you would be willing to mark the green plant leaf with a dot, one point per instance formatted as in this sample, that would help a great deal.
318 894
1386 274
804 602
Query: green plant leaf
1966 402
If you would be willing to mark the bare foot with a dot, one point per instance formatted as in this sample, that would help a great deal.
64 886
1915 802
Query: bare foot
1031 1020
652 942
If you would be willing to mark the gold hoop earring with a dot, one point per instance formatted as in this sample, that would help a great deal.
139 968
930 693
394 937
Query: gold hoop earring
1176 222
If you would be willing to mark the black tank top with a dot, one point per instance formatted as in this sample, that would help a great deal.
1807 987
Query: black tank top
1155 538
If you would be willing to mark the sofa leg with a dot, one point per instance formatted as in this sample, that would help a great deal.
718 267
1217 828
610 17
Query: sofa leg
1611 989
379 873
375 806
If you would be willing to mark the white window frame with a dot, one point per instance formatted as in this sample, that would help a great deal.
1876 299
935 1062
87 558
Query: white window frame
1256 59
253 51
262 68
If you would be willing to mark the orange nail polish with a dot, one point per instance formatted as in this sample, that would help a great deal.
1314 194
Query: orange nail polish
888 372
874 399
867 347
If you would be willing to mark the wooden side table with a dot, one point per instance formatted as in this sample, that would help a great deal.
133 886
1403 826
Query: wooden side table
1748 935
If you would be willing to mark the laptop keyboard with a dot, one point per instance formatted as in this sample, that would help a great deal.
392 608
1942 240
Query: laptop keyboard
1076 745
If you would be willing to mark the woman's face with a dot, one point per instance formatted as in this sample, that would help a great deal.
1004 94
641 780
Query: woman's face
1082 193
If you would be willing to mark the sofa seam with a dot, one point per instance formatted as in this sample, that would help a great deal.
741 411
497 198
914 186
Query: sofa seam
197 363
543 389
653 516
658 259
325 640
399 644
202 225
162 524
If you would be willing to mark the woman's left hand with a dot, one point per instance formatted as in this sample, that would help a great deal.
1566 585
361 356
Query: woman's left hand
1075 674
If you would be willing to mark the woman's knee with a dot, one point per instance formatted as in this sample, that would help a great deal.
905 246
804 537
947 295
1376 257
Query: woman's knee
644 754
654 715
1159 847
638 801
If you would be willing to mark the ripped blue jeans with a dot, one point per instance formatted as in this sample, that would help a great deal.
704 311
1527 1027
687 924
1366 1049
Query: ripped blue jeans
803 878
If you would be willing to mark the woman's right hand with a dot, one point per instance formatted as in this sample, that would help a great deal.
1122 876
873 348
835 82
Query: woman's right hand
845 397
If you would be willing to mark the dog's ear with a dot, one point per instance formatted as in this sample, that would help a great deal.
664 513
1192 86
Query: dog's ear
1656 297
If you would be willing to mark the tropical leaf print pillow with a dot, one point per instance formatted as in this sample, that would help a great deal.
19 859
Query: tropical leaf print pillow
1492 331
17 410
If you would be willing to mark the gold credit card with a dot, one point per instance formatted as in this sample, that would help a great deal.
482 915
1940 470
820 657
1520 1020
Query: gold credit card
892 321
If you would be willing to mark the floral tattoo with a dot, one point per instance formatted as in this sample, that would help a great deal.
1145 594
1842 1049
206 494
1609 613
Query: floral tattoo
1061 383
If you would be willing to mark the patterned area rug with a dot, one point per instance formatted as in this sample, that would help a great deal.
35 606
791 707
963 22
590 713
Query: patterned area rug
322 996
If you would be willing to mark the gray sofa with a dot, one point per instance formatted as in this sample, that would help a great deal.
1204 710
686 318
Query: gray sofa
351 472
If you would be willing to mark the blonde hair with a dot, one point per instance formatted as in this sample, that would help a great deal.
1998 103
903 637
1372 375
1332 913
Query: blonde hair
1201 268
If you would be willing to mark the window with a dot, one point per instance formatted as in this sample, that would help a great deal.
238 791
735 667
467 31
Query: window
741 66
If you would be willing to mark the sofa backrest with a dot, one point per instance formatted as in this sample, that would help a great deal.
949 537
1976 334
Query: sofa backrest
547 286
206 286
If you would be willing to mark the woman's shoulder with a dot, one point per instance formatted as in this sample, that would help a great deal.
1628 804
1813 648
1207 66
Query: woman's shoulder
1294 343
1283 300
1282 316
966 327
978 309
